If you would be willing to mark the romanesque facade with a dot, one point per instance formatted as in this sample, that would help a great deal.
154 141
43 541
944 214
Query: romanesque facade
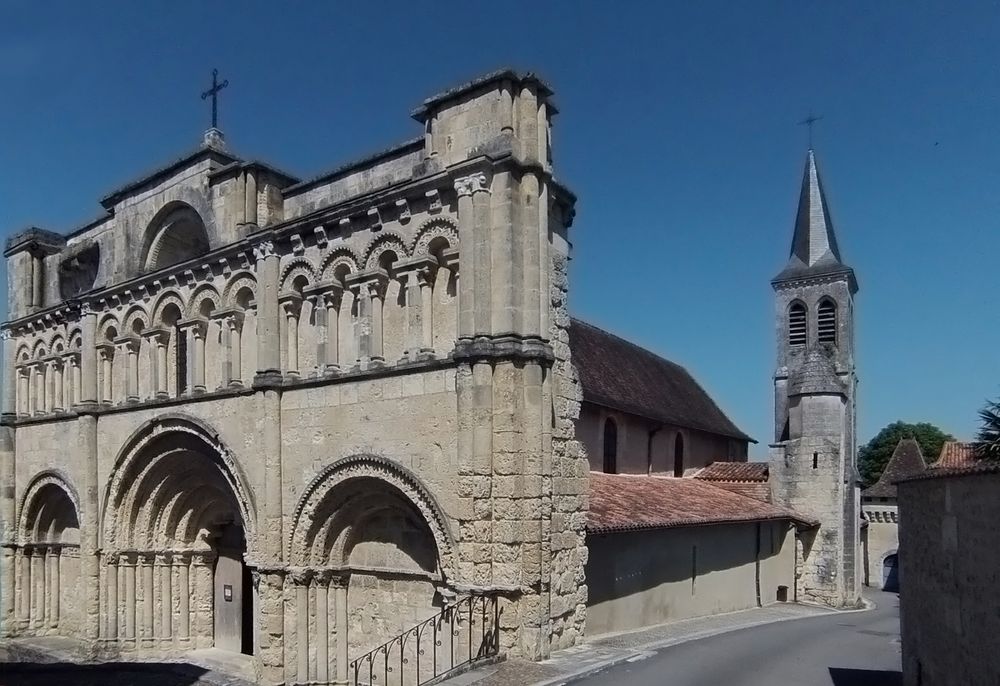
293 418
813 463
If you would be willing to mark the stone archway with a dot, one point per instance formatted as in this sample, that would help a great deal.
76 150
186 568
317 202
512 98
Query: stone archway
372 548
47 561
178 522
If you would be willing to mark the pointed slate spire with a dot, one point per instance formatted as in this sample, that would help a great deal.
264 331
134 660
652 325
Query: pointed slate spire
814 243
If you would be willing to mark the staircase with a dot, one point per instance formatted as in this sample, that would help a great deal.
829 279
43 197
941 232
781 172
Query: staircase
462 635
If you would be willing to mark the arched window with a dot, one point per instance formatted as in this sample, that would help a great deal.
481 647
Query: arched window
797 324
610 446
826 321
176 235
679 455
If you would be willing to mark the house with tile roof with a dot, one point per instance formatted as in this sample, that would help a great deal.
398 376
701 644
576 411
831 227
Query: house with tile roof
879 508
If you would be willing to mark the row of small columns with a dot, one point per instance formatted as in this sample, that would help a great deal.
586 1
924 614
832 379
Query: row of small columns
38 586
50 385
144 576
312 588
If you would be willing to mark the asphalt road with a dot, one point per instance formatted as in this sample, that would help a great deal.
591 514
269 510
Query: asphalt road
856 649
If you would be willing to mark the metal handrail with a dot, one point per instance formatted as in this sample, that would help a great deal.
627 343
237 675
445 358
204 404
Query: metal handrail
454 622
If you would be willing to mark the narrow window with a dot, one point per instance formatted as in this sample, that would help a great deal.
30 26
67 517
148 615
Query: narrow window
610 446
797 324
679 455
826 321
815 460
182 350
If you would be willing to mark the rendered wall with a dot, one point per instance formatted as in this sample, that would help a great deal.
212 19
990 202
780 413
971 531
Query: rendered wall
643 578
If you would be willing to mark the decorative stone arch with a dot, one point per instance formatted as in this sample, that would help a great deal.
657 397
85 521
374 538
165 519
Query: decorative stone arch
39 350
300 266
337 257
198 298
32 501
75 337
108 321
237 282
177 233
57 344
134 462
136 314
443 228
23 353
165 298
306 529
381 245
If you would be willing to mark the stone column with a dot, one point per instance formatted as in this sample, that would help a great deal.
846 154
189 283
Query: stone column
111 624
197 330
67 382
8 529
8 408
55 555
77 379
37 587
57 385
159 339
166 600
184 597
88 356
292 306
20 597
37 297
203 593
268 344
107 355
376 292
302 625
129 346
49 382
343 647
89 524
23 392
129 562
322 582
250 207
234 326
466 238
42 388
331 300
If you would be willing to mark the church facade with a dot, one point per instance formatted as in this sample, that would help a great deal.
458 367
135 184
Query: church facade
249 412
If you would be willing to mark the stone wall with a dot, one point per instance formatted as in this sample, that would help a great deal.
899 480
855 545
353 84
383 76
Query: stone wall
642 578
949 558
881 538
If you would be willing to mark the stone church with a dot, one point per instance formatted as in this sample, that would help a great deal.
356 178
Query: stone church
347 427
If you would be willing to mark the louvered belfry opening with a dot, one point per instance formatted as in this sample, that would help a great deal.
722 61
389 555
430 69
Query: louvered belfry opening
826 321
797 324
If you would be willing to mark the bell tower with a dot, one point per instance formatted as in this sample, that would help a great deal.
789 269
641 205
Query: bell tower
814 455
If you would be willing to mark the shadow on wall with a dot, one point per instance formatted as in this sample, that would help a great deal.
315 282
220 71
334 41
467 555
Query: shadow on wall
865 677
147 674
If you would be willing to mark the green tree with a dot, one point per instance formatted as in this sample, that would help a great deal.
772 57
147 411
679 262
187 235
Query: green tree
873 457
989 431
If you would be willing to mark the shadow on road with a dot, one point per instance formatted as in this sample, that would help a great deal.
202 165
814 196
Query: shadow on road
118 673
865 677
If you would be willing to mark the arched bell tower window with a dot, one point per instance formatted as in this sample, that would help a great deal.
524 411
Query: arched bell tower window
797 324
826 321
175 235
610 446
679 455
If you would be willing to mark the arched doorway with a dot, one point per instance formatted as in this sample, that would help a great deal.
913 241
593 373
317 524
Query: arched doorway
890 573
48 568
373 538
176 537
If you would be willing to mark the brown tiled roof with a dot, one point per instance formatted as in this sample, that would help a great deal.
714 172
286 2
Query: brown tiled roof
751 489
956 454
627 502
906 460
971 469
623 376
734 471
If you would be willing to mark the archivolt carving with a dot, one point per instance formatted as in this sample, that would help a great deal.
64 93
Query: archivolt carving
137 312
237 283
167 298
337 257
297 267
205 292
75 339
339 475
23 353
58 344
107 322
126 494
39 350
383 243
49 477
438 227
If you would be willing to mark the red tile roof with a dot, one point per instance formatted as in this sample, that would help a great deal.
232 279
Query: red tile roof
956 454
734 471
626 502
759 490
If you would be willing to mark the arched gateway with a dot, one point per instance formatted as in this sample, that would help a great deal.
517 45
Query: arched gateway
178 521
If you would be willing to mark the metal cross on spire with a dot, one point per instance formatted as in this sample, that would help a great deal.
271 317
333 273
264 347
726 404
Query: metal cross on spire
809 121
214 92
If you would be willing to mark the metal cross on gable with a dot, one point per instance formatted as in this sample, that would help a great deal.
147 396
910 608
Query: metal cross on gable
809 121
214 92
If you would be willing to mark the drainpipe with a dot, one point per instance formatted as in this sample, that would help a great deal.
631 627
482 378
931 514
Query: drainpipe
649 448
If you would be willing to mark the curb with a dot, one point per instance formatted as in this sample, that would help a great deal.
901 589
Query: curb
649 649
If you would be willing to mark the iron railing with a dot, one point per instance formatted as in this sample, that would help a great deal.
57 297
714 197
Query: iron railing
462 634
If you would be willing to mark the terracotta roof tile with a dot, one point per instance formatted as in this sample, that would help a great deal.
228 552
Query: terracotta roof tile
734 471
906 460
623 376
956 454
626 502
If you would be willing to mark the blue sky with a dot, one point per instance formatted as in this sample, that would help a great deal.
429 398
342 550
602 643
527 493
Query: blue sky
678 132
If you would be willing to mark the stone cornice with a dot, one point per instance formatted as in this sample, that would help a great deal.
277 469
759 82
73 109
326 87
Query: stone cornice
503 347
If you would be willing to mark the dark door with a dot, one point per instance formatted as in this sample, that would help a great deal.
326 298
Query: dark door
890 574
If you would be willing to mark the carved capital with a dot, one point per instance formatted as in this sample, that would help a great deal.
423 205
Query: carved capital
291 304
6 334
198 326
474 183
129 344
159 337
263 250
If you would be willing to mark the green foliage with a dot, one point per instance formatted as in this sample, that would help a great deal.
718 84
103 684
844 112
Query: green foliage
989 432
873 457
